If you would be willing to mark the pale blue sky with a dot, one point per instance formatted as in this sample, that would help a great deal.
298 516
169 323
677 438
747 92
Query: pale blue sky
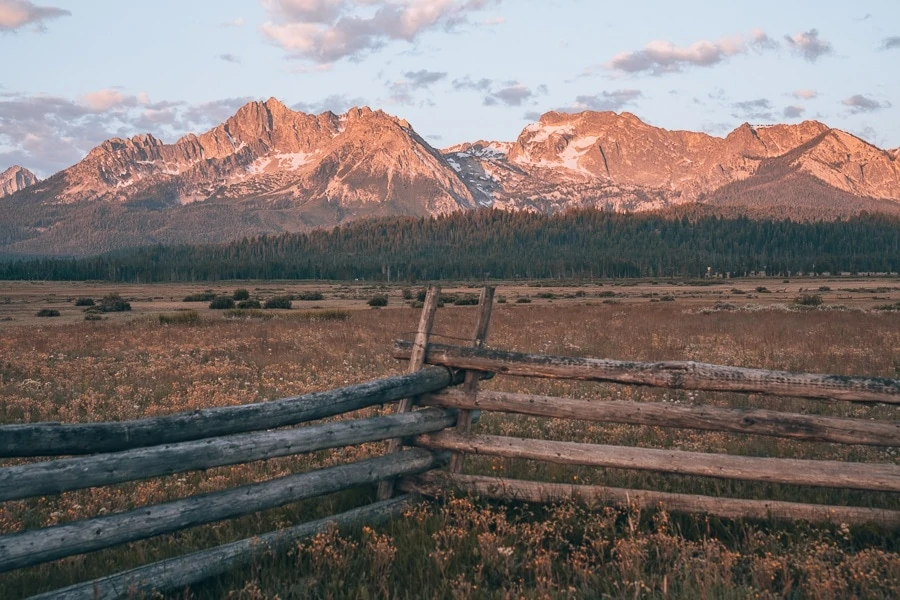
78 72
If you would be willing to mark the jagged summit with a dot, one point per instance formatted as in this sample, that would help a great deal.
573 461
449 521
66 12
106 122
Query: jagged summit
14 179
269 169
266 150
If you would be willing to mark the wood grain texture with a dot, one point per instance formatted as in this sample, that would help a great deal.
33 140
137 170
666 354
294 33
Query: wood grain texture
52 477
804 427
680 375
416 364
437 484
54 439
42 545
176 573
820 473
470 385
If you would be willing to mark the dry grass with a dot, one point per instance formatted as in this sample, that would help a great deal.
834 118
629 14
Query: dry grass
133 366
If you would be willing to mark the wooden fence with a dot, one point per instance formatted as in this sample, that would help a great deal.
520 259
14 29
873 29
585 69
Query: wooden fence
108 453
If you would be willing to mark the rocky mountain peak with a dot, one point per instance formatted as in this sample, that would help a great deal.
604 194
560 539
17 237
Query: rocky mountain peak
362 159
14 179
269 168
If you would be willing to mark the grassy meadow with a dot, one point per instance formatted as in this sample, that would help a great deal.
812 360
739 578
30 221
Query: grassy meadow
134 364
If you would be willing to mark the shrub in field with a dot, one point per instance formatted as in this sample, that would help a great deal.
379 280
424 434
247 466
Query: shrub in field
501 299
182 317
200 296
545 295
889 307
222 303
245 304
47 312
277 302
523 300
761 289
309 296
240 294
407 294
113 303
606 294
420 295
467 300
84 302
824 288
378 301
92 316
808 300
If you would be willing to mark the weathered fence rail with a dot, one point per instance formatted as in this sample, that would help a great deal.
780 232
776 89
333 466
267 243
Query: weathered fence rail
679 375
52 477
176 573
812 428
41 545
420 442
437 483
820 473
56 439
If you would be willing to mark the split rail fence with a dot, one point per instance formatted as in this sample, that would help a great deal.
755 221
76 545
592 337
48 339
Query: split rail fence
444 381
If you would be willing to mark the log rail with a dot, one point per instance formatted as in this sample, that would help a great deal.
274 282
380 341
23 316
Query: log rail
679 375
109 453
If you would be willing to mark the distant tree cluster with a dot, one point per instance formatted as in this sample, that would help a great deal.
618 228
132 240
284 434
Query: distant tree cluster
508 245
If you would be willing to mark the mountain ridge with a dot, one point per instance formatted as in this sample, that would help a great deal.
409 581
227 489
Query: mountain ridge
270 169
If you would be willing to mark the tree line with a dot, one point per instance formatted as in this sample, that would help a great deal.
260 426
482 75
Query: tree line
508 245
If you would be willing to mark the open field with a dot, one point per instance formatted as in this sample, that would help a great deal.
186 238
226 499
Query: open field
128 365
21 300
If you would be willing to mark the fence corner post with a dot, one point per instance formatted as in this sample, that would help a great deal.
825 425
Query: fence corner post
470 385
416 362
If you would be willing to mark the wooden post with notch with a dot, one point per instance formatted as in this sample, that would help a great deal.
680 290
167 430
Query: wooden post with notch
416 362
470 385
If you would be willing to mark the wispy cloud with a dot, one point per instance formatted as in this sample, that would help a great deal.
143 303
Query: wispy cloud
325 31
793 112
228 57
809 45
336 103
511 95
660 57
891 43
467 83
759 109
402 91
862 104
15 14
604 101
238 22
508 93
108 99
805 94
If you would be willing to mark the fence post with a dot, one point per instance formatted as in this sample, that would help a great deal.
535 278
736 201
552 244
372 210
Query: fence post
470 385
416 362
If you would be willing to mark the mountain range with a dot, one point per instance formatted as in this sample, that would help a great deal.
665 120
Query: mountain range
269 169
